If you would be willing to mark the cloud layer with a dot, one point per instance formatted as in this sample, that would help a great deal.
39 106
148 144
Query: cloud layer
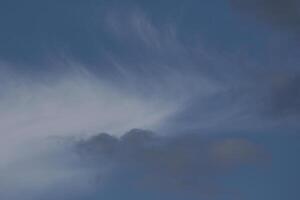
70 70
138 164
181 165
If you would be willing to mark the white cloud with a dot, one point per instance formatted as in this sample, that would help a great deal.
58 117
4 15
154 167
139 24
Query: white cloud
76 103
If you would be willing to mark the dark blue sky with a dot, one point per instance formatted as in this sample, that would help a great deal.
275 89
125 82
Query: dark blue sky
33 31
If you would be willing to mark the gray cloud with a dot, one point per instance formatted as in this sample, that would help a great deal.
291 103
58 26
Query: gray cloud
139 164
148 76
201 88
185 164
44 169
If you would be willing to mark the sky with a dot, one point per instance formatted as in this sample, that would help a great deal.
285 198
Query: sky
136 99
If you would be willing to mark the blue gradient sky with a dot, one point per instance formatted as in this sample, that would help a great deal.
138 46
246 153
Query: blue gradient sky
216 81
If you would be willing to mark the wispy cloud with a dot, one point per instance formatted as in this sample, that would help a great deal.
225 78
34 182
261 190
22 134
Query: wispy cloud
147 77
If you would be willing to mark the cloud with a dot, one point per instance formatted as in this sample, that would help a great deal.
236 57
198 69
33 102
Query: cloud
184 164
73 103
224 92
45 168
139 163
146 77
152 71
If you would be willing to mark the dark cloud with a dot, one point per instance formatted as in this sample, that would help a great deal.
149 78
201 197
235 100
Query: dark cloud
284 14
185 164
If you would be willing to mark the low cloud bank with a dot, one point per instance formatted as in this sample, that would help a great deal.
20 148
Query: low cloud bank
179 165
139 164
